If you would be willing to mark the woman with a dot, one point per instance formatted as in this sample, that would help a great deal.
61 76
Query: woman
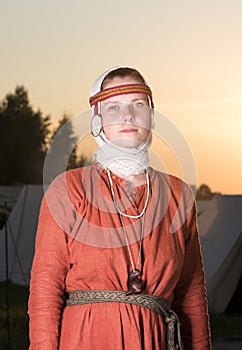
119 240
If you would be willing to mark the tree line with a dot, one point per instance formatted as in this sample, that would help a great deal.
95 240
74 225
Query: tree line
25 136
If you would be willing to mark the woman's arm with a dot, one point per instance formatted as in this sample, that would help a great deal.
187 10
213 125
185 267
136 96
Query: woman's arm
190 301
50 265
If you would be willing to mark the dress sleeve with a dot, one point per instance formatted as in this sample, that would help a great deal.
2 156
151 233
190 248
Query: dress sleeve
190 301
50 266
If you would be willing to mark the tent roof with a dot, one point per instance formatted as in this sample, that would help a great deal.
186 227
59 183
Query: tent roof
9 195
21 228
220 228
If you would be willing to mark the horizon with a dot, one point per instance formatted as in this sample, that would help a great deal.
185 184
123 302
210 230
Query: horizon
190 54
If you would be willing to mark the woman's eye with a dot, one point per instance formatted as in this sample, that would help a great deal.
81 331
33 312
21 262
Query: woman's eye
114 108
139 104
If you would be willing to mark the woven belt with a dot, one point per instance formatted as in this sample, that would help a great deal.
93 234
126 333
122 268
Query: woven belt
154 303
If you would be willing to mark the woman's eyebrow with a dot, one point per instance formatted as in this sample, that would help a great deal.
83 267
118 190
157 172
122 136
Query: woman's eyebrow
110 102
118 101
139 99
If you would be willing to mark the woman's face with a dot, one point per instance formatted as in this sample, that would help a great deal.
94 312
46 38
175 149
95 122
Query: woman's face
126 118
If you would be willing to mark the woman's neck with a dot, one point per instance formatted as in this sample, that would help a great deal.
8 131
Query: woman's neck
132 180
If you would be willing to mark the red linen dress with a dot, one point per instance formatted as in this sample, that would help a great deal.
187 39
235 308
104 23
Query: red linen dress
80 246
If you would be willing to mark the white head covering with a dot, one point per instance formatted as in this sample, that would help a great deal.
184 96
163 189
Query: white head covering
98 82
127 161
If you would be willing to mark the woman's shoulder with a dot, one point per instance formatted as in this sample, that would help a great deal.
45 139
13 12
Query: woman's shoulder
68 182
71 176
175 184
166 177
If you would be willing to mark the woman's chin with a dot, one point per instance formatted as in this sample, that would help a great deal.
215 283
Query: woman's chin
127 143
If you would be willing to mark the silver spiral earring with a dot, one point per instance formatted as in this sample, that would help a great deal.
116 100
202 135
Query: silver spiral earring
96 125
152 113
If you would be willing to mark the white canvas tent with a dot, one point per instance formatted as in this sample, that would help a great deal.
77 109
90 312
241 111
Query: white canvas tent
9 196
220 227
21 229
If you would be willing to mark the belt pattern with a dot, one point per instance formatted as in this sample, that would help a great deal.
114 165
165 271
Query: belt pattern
154 303
94 296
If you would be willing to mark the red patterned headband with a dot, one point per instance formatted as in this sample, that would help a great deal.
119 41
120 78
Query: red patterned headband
121 90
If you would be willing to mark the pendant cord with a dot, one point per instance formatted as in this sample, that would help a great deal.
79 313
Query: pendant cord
141 215
127 243
115 201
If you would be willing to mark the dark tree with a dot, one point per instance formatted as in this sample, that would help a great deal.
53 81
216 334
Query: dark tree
63 150
67 141
84 161
23 135
204 193
62 153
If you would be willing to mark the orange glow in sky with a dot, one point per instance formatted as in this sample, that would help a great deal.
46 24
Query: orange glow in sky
189 52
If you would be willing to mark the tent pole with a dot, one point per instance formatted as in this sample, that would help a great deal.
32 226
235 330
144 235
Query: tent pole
7 279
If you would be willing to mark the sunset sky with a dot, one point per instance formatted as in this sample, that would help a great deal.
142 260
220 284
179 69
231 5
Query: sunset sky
190 52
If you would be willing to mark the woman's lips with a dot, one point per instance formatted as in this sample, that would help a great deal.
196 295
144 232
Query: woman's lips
129 130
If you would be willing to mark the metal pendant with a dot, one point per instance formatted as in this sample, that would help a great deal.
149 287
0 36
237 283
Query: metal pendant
135 283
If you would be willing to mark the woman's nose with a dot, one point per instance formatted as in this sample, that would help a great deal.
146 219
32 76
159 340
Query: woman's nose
128 114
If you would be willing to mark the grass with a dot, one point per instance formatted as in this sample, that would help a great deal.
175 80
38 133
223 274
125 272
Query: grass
223 326
226 326
229 324
18 330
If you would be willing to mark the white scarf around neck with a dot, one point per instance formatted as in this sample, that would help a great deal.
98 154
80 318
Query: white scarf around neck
127 161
